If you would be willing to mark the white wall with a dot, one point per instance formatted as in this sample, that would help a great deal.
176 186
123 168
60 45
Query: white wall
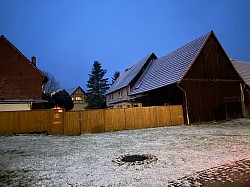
14 106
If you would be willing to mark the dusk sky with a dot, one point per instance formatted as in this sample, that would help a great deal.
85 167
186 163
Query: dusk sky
68 36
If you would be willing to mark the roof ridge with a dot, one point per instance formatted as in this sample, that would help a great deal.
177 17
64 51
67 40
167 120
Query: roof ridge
171 67
129 74
13 46
187 44
240 61
207 36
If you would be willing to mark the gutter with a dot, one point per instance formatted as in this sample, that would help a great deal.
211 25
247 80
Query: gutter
185 96
242 89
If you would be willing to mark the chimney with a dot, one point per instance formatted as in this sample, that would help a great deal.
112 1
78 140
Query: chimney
33 60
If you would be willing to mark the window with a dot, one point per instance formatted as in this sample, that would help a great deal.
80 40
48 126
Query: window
138 86
120 94
78 98
111 97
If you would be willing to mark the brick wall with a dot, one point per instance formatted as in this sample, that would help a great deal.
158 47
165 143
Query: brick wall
19 78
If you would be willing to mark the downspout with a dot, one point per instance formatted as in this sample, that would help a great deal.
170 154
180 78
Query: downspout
185 96
243 100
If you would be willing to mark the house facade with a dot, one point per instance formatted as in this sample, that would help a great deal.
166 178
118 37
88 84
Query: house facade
117 96
20 80
79 98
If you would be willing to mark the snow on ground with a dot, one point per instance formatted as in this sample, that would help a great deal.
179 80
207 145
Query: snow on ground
86 160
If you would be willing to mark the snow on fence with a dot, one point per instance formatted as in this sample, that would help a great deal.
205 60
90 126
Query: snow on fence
89 121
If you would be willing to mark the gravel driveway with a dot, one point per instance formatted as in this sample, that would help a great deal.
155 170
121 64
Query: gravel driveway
88 160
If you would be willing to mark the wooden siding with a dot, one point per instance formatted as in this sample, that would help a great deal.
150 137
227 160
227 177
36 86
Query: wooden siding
210 80
88 121
169 95
207 100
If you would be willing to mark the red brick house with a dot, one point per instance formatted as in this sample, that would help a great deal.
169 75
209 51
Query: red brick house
20 80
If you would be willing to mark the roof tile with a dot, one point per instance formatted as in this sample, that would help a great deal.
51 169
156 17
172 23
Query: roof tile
128 75
243 68
170 68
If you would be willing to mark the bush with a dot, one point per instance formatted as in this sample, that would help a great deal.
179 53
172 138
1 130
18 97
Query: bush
62 99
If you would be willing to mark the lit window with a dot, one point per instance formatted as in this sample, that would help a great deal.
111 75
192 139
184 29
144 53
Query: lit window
78 98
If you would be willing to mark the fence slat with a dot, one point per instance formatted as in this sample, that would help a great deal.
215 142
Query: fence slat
89 121
72 125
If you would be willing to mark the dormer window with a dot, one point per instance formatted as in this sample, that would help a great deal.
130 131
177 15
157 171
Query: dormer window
138 86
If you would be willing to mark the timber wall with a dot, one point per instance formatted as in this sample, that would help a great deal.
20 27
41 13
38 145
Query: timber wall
89 121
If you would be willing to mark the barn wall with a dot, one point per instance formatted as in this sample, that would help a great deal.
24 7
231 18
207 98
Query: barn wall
170 95
247 101
209 82
207 100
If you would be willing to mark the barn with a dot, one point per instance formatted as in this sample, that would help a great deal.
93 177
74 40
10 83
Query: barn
199 76
243 68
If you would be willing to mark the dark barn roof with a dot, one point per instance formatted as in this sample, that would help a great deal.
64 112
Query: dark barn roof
243 68
129 74
170 68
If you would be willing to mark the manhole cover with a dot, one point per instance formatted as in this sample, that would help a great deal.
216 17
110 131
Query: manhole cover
135 159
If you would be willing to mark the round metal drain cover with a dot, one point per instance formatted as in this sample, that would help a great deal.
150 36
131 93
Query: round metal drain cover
135 159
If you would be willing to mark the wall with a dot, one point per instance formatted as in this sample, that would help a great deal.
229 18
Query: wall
209 82
127 105
19 78
15 107
116 97
79 106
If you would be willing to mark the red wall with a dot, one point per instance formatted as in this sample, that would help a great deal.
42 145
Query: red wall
19 78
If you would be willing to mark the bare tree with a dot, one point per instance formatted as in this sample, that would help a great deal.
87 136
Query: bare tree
52 85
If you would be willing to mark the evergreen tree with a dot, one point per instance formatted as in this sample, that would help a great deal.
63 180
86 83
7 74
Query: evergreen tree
115 76
97 85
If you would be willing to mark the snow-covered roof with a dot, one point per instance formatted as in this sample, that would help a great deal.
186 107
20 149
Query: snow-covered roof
72 90
129 74
170 68
243 68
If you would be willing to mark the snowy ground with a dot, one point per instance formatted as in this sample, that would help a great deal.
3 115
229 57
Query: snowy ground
86 160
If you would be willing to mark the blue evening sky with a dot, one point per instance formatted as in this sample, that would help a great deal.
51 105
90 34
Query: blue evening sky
68 36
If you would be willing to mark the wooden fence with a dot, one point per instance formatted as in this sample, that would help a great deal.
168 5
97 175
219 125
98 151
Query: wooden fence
89 121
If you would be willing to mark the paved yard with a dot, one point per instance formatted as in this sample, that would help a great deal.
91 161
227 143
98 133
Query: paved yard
213 154
236 174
